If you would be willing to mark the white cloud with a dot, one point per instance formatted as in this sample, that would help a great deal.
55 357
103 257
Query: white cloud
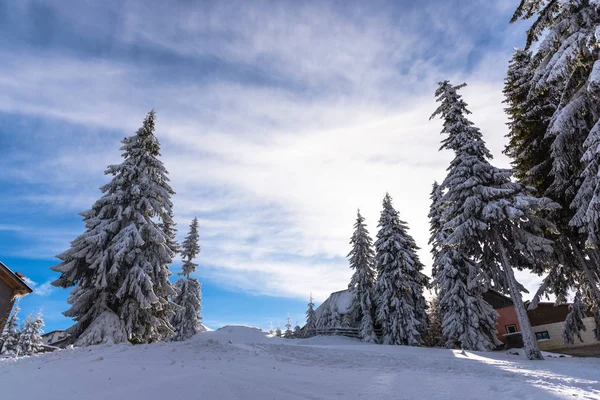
45 289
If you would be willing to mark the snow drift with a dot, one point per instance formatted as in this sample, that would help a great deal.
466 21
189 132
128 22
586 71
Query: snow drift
238 362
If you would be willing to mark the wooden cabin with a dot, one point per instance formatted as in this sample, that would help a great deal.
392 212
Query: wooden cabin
12 286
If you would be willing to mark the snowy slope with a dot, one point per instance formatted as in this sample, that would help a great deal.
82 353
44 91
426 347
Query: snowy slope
253 366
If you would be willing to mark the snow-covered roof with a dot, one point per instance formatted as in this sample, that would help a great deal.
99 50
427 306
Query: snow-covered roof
341 299
53 332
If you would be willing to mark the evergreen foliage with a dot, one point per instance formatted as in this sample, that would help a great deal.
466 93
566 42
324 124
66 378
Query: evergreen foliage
435 336
187 321
399 301
529 118
574 321
324 321
30 335
466 319
289 333
362 261
559 102
9 340
336 319
491 224
310 329
297 331
119 266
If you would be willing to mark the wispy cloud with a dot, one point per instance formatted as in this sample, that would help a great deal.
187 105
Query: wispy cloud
277 121
44 289
12 228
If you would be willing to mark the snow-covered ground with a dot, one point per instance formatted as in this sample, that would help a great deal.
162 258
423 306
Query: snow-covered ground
242 363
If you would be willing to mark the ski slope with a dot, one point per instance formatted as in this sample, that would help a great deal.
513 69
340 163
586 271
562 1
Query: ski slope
243 363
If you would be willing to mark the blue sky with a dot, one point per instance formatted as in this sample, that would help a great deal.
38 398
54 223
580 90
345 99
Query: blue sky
277 121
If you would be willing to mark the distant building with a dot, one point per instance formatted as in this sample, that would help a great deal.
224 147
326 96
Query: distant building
57 338
507 323
12 286
547 321
342 300
341 303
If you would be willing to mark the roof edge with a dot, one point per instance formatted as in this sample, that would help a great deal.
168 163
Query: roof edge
25 288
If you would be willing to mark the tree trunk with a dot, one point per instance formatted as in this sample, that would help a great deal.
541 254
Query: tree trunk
590 277
532 350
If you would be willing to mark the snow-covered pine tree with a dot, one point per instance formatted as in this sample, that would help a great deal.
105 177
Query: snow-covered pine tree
529 118
168 227
466 319
187 321
324 321
9 340
435 223
119 266
574 321
398 296
434 337
278 332
347 320
310 329
289 333
496 223
297 331
30 335
566 68
336 319
362 261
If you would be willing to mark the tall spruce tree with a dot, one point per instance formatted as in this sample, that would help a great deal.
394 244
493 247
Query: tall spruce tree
310 329
492 222
362 261
119 266
399 301
187 320
9 340
467 320
566 67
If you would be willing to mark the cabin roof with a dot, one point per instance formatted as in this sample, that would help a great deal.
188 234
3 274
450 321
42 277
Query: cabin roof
14 281
497 299
342 299
550 313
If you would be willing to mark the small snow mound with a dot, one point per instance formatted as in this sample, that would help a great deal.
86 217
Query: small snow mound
234 334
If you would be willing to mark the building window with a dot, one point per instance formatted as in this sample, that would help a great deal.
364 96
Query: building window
511 329
542 335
